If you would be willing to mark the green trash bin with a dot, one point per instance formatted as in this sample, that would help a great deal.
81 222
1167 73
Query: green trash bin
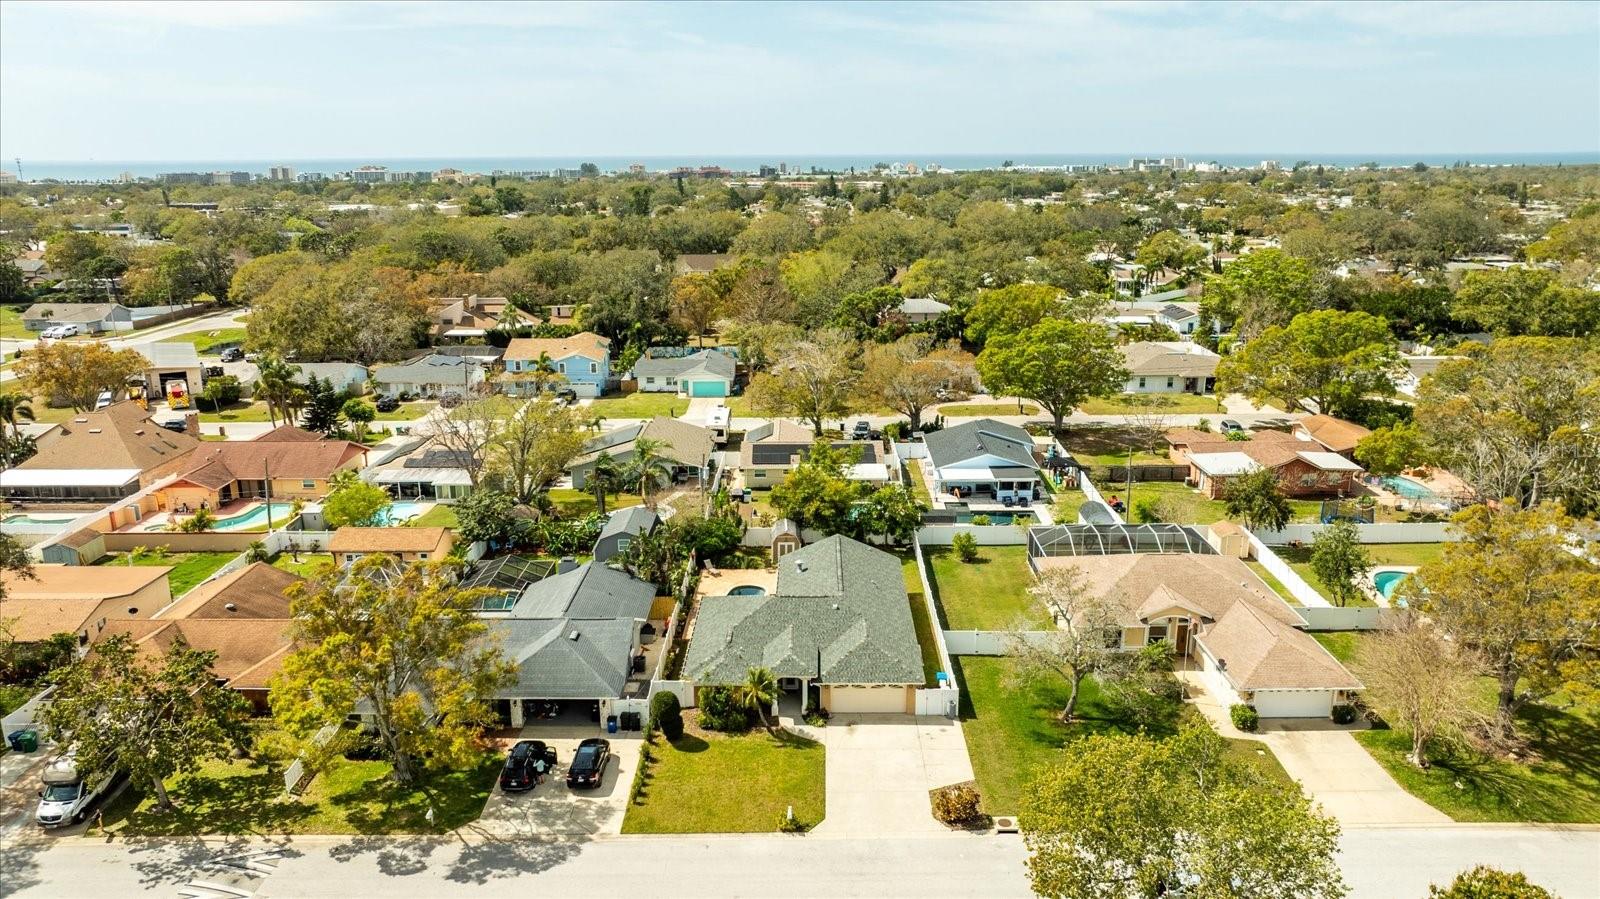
24 740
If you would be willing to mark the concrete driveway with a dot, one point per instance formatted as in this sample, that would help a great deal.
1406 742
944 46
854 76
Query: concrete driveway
880 769
1339 774
551 809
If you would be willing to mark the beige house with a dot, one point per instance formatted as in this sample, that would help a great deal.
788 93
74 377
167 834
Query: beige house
409 544
1169 367
772 450
77 599
1249 645
288 462
99 456
1335 434
688 447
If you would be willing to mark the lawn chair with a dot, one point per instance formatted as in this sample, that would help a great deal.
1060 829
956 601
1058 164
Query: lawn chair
1007 501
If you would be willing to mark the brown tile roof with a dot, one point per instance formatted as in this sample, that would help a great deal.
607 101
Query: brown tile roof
703 262
287 434
119 436
241 646
1269 449
95 582
216 464
685 443
1169 358
586 344
391 540
254 591
1336 434
1254 631
32 620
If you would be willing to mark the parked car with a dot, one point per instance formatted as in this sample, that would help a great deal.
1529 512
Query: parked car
233 354
214 371
527 762
387 404
66 793
861 431
104 399
59 332
1229 426
568 396
589 763
175 424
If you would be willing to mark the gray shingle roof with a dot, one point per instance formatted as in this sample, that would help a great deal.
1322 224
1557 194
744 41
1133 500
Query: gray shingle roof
431 369
839 615
588 592
716 363
952 446
632 520
552 665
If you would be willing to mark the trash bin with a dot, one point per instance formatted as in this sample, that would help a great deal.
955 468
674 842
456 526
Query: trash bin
24 740
611 724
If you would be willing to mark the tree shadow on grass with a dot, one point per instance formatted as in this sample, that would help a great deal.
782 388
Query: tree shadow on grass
1564 736
245 804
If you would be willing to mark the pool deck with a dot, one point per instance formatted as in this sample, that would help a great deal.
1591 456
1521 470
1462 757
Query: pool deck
1370 586
723 580
158 521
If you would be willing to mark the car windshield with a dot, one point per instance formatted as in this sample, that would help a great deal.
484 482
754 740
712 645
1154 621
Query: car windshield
61 792
585 756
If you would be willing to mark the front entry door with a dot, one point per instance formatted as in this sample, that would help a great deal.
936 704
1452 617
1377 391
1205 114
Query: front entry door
1180 640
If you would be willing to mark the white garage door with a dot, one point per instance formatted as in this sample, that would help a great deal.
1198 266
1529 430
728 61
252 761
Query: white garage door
868 701
1293 703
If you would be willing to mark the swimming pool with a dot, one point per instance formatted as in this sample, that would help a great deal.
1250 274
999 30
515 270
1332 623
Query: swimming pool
20 518
1407 488
403 511
254 519
1387 582
997 518
748 590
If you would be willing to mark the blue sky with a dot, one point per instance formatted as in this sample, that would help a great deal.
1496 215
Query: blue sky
151 81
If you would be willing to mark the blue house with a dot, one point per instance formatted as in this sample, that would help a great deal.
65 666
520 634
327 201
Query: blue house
583 360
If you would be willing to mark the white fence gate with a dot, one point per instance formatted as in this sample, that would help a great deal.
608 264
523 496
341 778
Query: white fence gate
944 701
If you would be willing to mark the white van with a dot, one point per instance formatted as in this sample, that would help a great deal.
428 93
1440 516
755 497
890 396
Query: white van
66 795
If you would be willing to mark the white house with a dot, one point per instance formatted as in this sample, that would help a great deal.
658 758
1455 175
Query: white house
986 460
685 372
430 375
1169 367
922 309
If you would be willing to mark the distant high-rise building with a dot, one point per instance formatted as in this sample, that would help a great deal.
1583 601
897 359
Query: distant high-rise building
230 177
370 174
768 171
310 176
1270 165
7 177
636 169
281 173
186 178
783 168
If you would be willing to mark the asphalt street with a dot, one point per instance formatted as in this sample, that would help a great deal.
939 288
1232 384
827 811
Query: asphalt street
1379 863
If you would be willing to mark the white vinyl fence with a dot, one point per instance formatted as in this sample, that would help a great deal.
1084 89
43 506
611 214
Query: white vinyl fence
1294 583
26 716
1354 618
682 689
1092 493
933 618
987 643
1381 532
985 534
945 701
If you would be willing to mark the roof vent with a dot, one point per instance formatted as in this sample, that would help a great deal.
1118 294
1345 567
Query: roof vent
230 607
799 564
1222 664
96 430
836 607
572 635
133 610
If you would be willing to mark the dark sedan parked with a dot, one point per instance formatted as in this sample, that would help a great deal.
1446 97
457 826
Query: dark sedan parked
588 763
528 761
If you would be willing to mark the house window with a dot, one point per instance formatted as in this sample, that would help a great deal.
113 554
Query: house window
1155 634
672 382
422 556
622 544
594 367
308 485
561 367
349 557
1308 480
1112 637
1141 383
1169 383
649 380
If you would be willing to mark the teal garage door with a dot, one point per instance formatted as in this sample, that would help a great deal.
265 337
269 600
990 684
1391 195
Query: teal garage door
708 388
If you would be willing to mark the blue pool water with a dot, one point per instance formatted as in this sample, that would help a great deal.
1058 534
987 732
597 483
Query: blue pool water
1387 582
403 511
996 518
1407 488
256 518
22 518
748 590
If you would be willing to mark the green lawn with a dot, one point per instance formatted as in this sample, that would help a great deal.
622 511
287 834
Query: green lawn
1011 731
354 797
640 405
257 411
1299 559
440 516
1108 445
1167 403
1174 501
924 625
1403 553
1276 585
205 342
188 569
919 486
11 324
722 783
981 410
307 566
989 594
570 502
1560 781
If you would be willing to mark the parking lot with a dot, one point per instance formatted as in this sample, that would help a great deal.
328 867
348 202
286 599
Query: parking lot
551 809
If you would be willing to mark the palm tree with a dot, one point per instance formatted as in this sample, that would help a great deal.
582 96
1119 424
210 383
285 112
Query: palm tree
605 479
275 383
544 372
650 468
12 407
759 691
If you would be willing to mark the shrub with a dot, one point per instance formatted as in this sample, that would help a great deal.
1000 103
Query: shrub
1245 718
1484 882
966 547
980 520
816 717
646 756
719 710
1344 714
257 552
788 824
1204 425
957 804
666 714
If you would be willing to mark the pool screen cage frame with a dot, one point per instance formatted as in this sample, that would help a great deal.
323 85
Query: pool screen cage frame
1116 539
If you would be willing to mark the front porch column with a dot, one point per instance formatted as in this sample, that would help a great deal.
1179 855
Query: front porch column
516 713
805 694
